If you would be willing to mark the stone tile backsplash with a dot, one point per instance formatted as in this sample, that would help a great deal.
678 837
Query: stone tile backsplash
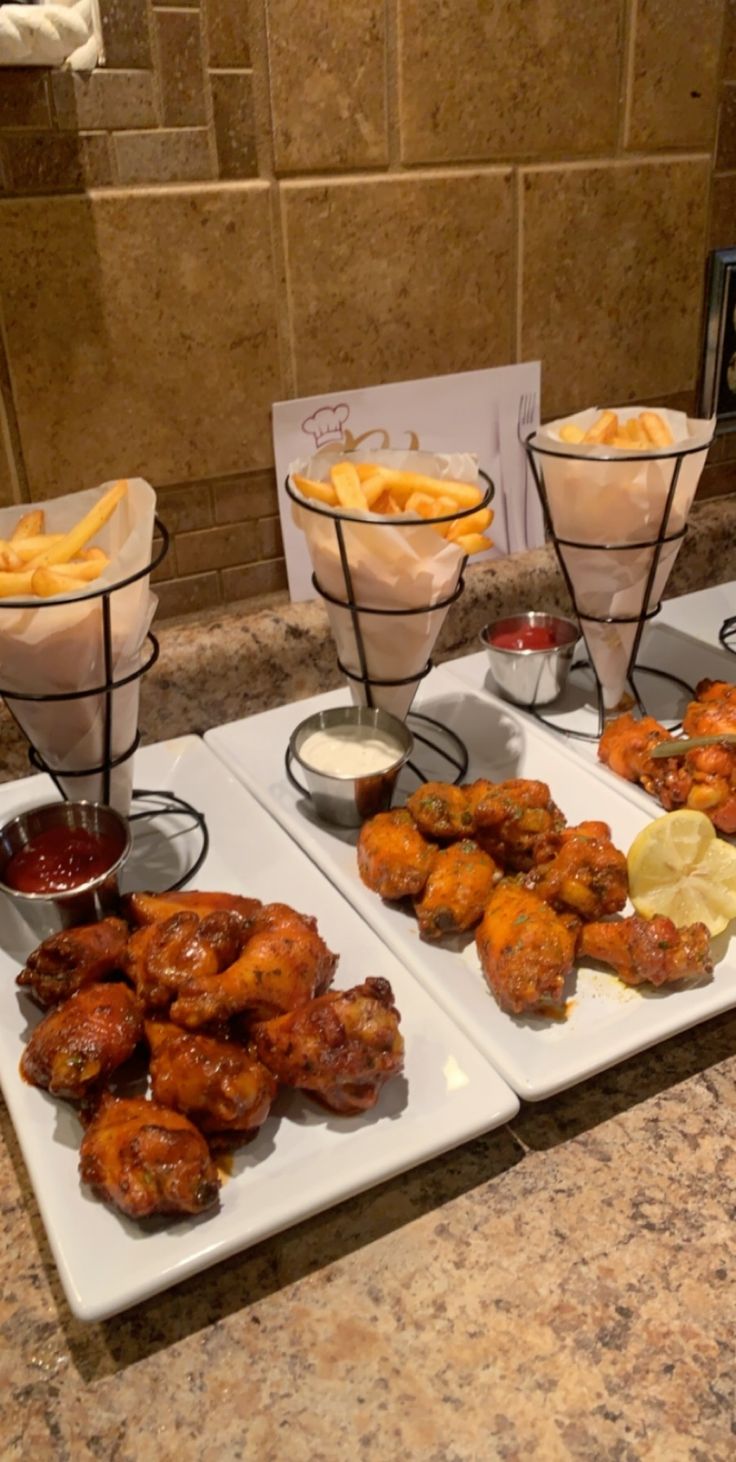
256 198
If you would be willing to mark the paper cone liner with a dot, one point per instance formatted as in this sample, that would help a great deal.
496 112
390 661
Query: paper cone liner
398 564
620 501
59 647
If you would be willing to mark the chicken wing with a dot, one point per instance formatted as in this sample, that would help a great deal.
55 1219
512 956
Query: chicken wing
393 858
75 957
587 875
457 890
217 1083
526 950
170 953
713 712
284 964
146 1158
80 1043
648 951
441 810
704 778
150 908
342 1047
514 821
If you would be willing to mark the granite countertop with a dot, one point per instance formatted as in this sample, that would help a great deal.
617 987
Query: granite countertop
561 1288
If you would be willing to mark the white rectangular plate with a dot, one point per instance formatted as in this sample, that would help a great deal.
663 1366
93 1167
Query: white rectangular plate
303 1159
701 615
607 1021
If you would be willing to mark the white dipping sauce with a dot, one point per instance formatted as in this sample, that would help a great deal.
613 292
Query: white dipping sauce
350 751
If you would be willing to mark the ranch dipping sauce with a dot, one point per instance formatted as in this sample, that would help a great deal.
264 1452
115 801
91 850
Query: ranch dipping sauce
350 751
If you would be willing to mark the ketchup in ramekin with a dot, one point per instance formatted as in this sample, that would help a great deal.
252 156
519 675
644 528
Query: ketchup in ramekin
59 859
526 637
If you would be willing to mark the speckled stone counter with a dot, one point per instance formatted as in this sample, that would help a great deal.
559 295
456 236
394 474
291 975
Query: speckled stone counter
562 1288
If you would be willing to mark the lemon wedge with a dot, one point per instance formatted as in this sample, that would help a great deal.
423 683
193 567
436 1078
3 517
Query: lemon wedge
679 867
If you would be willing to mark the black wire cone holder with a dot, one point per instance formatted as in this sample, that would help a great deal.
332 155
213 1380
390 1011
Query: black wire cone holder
162 802
647 611
454 754
727 634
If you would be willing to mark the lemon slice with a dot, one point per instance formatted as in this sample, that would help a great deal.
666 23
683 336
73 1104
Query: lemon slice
679 867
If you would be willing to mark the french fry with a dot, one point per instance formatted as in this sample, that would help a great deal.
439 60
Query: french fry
93 555
571 433
635 433
78 536
473 542
387 505
48 581
368 469
463 494
372 487
10 561
603 429
421 504
474 523
25 549
322 492
12 585
29 526
656 429
346 483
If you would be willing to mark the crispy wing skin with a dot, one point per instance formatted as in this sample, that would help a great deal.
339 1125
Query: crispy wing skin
150 908
587 875
168 954
284 963
218 1084
526 950
393 858
75 957
703 779
516 821
626 746
80 1043
342 1047
146 1158
457 890
649 951
441 810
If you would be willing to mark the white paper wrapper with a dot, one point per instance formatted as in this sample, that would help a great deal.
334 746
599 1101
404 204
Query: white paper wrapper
403 566
59 647
619 500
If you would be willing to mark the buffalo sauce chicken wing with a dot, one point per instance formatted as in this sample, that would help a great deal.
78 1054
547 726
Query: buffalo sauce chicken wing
456 891
587 875
394 859
526 950
341 1047
514 821
648 951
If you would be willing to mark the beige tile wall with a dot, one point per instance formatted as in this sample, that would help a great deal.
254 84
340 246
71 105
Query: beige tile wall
258 198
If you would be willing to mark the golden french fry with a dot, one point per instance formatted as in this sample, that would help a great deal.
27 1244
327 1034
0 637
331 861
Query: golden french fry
368 469
12 585
29 526
656 429
322 492
27 548
622 441
10 561
421 504
463 494
346 483
372 487
48 581
387 505
473 542
603 429
78 536
82 570
571 433
93 555
635 433
474 523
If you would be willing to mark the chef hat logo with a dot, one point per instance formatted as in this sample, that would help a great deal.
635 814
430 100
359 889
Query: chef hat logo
326 425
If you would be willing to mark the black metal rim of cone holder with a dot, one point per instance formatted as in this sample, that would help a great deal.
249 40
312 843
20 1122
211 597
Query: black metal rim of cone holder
455 754
727 634
162 802
657 543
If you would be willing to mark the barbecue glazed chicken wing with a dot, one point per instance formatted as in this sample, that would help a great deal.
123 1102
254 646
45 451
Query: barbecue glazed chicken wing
150 908
218 1084
146 1158
75 957
648 951
526 950
81 1042
457 890
393 858
341 1047
284 963
515 821
441 810
165 955
587 875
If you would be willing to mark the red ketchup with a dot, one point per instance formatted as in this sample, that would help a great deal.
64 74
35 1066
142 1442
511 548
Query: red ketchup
528 637
59 859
